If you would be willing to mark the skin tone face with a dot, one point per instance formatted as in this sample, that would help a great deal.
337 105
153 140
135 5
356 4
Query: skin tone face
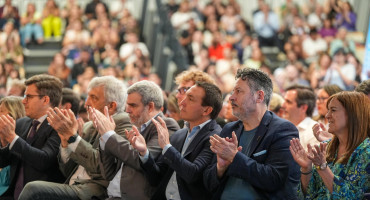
34 105
337 118
243 100
191 108
96 99
292 112
136 109
322 99
181 95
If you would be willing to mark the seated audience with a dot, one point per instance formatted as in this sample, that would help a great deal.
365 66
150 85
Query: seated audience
338 169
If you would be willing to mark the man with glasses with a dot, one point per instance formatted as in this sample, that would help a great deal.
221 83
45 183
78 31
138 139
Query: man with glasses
186 79
32 144
298 106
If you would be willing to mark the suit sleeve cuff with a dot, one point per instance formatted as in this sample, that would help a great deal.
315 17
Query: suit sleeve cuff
104 138
12 143
165 148
145 157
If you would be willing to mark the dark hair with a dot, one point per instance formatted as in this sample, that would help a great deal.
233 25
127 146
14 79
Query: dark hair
305 95
212 97
364 87
257 80
49 86
332 89
69 96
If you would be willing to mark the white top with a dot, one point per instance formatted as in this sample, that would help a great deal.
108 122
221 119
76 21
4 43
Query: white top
305 132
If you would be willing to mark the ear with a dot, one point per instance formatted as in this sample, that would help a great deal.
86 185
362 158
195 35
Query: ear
46 100
207 111
151 107
260 96
112 107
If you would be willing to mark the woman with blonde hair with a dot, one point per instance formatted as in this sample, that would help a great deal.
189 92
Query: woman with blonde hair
12 106
342 165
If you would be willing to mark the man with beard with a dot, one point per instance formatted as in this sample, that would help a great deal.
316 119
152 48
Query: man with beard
252 158
144 103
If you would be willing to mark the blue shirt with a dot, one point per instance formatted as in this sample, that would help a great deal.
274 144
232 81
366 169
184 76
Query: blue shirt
237 188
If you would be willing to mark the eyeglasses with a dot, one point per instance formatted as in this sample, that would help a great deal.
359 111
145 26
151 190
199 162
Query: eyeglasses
183 90
322 99
30 96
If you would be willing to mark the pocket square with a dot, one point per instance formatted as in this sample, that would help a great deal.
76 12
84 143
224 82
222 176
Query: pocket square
259 153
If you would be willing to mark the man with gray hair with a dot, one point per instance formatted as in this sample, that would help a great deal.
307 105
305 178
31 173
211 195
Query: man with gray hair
79 155
144 102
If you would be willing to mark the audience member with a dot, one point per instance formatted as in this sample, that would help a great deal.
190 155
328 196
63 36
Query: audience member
346 17
144 103
179 169
8 12
33 145
298 107
31 26
51 20
247 163
276 104
323 95
79 155
341 165
59 69
13 107
17 88
341 72
266 25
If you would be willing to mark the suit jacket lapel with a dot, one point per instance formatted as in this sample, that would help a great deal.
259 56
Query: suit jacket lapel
204 132
261 131
24 134
44 127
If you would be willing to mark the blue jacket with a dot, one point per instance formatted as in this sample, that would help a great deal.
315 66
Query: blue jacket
269 167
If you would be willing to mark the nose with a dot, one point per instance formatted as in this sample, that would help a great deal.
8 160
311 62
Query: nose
128 110
24 101
87 102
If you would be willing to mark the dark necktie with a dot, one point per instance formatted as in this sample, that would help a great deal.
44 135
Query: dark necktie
20 180
35 123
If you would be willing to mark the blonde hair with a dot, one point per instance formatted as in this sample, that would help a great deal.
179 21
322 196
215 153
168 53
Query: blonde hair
193 75
14 105
357 106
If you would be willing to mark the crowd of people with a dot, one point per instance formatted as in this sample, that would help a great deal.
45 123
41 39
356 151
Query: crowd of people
98 125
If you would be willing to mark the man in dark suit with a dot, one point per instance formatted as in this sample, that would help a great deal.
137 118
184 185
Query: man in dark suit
252 158
79 155
179 169
144 102
33 145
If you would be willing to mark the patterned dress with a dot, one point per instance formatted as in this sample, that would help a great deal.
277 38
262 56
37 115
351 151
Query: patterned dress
351 180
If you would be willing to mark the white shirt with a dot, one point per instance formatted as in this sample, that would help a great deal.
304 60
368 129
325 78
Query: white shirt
305 132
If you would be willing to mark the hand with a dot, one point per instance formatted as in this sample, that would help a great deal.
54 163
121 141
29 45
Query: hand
136 140
163 136
318 155
225 148
63 121
81 123
299 154
7 128
320 132
102 122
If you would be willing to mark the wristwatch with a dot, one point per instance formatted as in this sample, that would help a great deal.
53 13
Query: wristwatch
322 166
72 139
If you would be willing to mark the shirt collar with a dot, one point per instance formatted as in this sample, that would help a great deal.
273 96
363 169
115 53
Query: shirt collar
305 124
146 124
200 125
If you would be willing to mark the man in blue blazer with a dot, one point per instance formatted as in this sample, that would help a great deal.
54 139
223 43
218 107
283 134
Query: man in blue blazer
32 154
179 169
252 158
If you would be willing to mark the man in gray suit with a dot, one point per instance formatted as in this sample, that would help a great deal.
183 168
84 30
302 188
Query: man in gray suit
144 102
79 155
